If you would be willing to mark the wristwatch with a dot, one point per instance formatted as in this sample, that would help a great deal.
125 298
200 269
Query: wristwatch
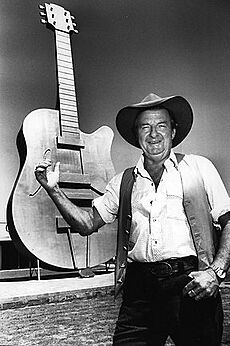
220 273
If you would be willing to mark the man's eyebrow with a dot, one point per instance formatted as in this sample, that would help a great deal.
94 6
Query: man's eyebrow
148 123
164 122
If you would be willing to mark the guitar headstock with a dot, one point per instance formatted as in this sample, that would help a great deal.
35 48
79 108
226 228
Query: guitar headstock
59 18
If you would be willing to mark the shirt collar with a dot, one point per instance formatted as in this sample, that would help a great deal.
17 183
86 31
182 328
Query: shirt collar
170 162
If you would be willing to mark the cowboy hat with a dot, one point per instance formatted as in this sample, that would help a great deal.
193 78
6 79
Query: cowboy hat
179 110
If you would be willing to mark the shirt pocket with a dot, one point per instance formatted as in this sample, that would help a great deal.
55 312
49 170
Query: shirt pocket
175 209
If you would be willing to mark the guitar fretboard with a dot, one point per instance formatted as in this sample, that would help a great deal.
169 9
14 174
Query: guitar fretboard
66 86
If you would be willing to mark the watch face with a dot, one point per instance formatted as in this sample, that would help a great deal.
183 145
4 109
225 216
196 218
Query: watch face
221 273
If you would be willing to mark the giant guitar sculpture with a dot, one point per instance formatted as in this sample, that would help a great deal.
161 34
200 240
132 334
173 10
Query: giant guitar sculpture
34 222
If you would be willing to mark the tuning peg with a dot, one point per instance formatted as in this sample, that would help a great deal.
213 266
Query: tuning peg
74 24
42 7
42 14
43 21
72 17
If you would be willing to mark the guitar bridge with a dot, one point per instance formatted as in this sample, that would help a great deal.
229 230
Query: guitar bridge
70 142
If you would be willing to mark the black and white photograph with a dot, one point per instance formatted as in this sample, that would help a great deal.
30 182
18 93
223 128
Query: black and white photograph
115 173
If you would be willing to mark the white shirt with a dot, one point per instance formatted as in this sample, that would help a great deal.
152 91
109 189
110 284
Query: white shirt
159 227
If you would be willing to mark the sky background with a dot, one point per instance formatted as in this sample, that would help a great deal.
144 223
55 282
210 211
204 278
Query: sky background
125 49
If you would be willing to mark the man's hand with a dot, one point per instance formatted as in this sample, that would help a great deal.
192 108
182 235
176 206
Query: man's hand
203 285
47 177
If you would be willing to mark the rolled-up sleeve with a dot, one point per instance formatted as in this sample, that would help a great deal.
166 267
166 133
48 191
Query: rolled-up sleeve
217 194
107 205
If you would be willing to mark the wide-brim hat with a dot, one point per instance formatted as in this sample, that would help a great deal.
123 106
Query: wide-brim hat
177 106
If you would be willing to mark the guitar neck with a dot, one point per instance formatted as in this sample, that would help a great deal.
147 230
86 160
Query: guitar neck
69 121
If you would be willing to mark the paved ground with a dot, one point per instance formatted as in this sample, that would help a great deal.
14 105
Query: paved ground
79 322
80 317
31 292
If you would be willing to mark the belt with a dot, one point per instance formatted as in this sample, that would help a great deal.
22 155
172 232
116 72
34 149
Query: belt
168 267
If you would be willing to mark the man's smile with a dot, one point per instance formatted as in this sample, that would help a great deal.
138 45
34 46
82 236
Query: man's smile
154 142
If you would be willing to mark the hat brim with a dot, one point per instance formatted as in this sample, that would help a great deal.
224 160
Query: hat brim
178 108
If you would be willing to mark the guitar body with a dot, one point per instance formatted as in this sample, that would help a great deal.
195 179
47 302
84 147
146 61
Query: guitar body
34 222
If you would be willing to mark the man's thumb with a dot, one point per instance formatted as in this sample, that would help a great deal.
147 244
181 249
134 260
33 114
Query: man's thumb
57 168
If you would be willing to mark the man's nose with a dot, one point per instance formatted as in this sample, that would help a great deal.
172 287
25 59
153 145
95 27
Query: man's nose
153 131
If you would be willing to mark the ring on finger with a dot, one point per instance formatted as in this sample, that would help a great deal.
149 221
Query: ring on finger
192 293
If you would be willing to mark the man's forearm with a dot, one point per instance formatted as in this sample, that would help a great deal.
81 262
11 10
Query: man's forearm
79 219
82 221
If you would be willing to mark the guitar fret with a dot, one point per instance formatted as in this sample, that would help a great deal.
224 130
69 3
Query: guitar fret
67 107
63 44
65 70
66 92
67 89
65 64
66 76
70 129
71 121
69 112
62 57
63 40
68 102
67 97
66 81
69 118
64 52
70 88
61 33
65 85
69 124
63 47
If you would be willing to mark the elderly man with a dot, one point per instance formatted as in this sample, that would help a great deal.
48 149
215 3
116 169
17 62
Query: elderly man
168 261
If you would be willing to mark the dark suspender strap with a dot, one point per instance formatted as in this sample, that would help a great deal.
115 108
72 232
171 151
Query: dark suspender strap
124 223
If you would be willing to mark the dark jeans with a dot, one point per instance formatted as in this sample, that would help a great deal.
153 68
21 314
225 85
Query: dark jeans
154 308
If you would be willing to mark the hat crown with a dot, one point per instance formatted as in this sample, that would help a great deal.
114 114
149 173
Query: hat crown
151 97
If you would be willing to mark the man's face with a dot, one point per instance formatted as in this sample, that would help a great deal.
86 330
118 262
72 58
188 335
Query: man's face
155 134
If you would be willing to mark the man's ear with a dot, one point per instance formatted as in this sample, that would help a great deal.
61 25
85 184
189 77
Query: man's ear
173 133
